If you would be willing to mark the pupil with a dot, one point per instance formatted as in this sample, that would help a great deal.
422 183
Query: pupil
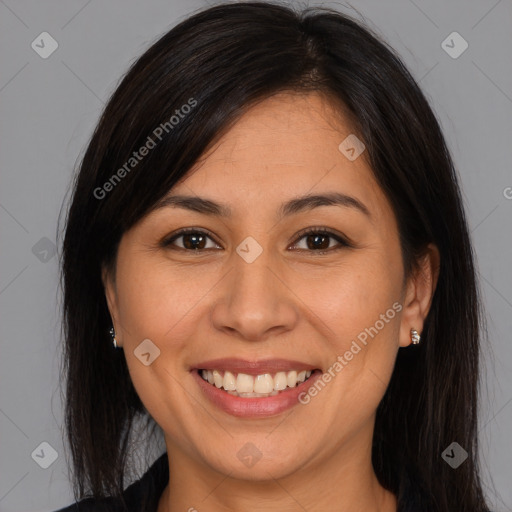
317 242
190 240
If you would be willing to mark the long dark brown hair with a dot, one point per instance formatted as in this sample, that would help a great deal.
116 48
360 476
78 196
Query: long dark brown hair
225 59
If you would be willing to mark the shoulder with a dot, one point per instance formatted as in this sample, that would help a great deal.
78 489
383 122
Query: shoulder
92 505
143 494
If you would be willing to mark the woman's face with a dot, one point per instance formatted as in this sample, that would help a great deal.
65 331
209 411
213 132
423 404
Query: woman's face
249 295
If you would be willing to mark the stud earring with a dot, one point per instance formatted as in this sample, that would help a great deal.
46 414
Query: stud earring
113 334
415 337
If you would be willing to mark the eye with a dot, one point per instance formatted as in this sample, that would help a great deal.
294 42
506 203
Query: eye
193 239
318 240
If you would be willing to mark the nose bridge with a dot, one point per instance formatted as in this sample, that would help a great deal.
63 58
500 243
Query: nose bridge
251 275
253 279
253 300
254 292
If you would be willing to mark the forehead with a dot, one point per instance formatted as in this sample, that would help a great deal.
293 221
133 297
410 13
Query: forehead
282 147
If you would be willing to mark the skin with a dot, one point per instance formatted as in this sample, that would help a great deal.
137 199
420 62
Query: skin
289 303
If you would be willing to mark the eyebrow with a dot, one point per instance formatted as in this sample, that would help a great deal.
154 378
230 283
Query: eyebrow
291 207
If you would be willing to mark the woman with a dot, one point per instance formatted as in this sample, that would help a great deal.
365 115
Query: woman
268 223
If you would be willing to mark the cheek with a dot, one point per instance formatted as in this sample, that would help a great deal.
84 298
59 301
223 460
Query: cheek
156 299
161 305
355 294
358 309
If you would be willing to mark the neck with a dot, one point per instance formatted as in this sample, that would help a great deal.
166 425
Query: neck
344 482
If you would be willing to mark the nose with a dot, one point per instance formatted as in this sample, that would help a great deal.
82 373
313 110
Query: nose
255 301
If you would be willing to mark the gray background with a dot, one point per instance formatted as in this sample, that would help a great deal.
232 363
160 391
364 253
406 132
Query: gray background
49 108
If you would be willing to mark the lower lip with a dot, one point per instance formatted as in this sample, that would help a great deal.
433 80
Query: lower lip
254 407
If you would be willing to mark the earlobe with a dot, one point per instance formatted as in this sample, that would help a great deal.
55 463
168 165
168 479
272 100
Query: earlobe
419 294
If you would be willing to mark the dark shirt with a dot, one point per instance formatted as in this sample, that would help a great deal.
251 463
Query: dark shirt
142 495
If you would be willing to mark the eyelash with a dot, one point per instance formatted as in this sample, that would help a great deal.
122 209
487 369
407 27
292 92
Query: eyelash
322 231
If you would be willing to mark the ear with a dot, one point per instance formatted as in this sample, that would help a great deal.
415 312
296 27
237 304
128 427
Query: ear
111 297
419 292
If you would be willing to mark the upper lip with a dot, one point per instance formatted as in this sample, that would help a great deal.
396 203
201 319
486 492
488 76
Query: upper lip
236 365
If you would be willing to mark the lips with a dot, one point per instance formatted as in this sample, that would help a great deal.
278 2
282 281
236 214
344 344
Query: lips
272 366
254 404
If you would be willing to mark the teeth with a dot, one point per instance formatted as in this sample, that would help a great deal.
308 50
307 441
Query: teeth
255 386
291 379
244 383
280 381
229 383
264 383
217 379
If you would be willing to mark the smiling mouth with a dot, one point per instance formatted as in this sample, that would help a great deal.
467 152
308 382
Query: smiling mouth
255 386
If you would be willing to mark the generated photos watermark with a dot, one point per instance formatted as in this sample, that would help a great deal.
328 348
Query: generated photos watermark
151 143
343 360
